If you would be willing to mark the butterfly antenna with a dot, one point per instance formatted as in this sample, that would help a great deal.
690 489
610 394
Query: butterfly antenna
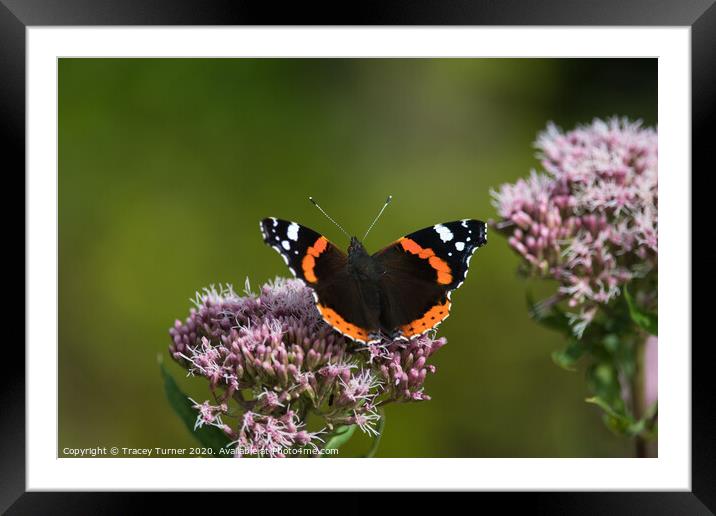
328 216
387 201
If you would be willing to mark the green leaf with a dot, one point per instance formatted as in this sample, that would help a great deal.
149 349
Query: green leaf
567 358
550 317
645 320
208 436
603 381
651 411
376 438
340 437
619 423
622 423
611 343
596 400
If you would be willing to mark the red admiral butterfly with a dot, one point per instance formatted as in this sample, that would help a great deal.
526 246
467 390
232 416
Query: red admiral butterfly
402 291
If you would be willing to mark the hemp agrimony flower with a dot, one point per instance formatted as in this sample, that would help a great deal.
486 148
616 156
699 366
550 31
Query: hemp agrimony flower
589 220
272 364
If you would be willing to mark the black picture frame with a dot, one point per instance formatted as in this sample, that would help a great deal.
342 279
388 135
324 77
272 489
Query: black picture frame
17 15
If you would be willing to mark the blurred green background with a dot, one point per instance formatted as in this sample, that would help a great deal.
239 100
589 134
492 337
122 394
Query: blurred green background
166 166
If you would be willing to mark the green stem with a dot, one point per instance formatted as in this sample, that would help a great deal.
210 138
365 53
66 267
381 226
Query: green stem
638 393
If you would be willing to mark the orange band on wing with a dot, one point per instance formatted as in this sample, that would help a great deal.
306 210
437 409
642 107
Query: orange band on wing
340 324
429 320
441 267
309 261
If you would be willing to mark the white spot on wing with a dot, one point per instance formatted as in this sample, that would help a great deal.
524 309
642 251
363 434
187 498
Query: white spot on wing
459 246
261 227
293 231
444 232
286 245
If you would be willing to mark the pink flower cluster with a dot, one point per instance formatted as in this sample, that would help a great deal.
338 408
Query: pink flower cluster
270 361
403 366
589 220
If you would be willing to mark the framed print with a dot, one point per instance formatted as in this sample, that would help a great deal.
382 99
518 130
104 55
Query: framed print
418 253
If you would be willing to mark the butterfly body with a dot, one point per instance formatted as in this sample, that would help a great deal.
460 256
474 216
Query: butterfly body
361 265
402 291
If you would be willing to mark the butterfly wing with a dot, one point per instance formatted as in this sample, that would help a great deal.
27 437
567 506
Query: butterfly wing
306 252
339 297
421 270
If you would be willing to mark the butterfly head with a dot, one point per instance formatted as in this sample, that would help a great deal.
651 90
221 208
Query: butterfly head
356 248
360 263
